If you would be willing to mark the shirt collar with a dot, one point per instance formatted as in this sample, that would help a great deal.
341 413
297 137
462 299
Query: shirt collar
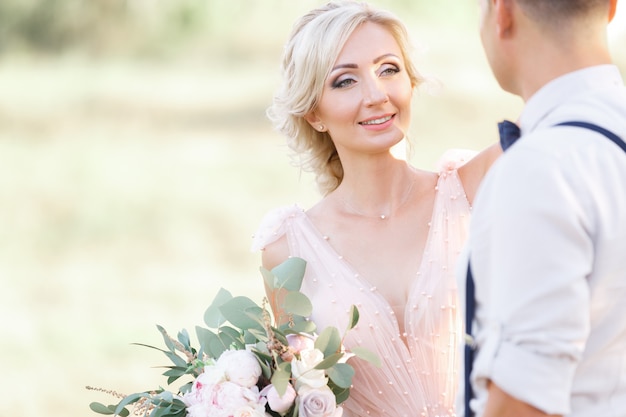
564 89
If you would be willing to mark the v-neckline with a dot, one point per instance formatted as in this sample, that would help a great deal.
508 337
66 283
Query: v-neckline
356 274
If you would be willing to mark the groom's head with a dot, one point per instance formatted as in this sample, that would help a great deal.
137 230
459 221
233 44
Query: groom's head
529 42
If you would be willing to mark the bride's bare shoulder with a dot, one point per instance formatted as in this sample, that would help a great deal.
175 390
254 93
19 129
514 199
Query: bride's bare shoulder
275 253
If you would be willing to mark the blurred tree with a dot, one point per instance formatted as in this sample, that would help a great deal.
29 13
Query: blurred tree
161 27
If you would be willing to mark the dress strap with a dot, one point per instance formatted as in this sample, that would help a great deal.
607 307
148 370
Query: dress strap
273 226
453 159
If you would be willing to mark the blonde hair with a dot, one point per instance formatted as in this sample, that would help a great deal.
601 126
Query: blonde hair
315 42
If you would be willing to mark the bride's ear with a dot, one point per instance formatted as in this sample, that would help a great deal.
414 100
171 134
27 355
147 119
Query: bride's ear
315 121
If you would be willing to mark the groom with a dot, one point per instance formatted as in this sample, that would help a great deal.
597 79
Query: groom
548 234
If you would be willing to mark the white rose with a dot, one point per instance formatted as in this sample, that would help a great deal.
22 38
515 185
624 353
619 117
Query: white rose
303 369
318 402
277 403
240 366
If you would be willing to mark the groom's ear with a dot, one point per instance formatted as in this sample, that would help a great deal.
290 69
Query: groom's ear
504 10
612 9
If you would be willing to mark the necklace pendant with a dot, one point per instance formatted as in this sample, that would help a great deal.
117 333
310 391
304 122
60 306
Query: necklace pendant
383 217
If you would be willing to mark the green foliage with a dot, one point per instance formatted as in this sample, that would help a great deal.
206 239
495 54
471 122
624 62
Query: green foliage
239 323
329 341
366 355
341 374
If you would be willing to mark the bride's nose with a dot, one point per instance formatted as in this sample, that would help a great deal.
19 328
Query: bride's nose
374 92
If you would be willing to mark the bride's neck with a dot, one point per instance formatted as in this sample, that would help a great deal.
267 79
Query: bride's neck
376 193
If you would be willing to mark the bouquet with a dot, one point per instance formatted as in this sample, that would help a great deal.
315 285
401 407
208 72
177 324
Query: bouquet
250 363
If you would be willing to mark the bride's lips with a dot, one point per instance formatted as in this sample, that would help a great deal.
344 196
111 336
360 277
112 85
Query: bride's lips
378 122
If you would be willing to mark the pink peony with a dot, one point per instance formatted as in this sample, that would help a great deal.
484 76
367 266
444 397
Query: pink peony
221 400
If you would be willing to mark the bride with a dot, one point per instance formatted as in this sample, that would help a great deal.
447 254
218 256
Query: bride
385 235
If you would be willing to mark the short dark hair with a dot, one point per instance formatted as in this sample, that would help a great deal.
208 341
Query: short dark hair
558 11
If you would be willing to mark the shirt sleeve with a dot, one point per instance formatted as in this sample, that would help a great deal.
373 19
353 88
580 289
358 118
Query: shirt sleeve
531 257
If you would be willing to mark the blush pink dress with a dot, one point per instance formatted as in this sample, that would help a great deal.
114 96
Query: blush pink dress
420 363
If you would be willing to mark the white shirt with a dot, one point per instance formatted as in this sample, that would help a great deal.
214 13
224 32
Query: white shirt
548 250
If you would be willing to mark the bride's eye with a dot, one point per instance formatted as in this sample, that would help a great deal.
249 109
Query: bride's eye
343 82
389 69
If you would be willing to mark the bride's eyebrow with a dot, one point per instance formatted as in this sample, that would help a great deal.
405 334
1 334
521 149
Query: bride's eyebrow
380 58
374 61
340 66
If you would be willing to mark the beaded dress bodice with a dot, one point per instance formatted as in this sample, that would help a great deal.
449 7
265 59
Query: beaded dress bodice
420 363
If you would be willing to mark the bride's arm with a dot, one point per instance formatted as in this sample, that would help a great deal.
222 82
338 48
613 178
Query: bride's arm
472 173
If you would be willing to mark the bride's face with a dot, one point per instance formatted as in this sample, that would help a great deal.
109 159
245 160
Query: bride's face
366 101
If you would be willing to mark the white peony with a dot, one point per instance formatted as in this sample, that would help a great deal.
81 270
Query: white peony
303 369
318 402
221 400
249 411
280 404
240 366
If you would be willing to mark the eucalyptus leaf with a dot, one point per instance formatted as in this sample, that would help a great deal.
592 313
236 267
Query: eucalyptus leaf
265 368
175 371
213 316
130 399
280 336
230 338
186 388
366 354
177 360
151 347
281 377
183 338
354 317
217 347
167 396
101 408
261 350
205 338
237 311
329 341
329 361
166 338
341 374
257 335
300 326
297 303
268 278
289 274
341 394
234 334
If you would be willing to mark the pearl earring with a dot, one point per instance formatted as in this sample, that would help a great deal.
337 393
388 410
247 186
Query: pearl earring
321 128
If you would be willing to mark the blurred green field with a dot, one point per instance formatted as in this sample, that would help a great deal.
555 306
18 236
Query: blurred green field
135 165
